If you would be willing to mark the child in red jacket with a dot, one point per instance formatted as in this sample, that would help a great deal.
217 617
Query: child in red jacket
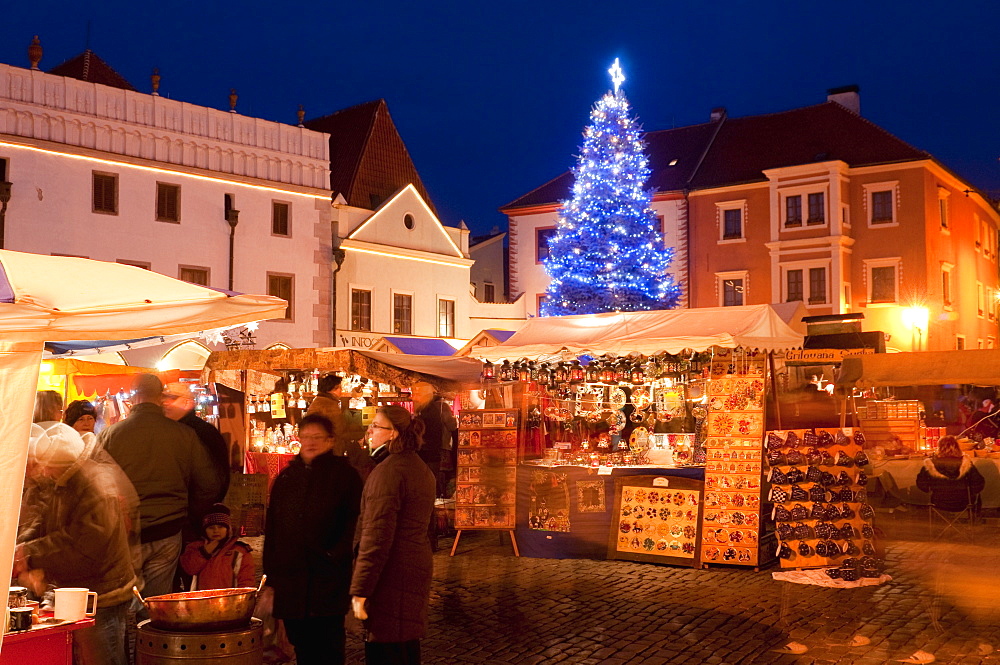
220 561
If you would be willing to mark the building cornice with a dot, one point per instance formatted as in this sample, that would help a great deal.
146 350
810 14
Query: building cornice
390 251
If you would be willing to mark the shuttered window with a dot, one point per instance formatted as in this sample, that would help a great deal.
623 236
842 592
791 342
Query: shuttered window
106 193
282 286
279 218
168 202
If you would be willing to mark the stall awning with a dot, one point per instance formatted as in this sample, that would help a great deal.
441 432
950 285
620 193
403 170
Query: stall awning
447 373
421 346
922 368
647 333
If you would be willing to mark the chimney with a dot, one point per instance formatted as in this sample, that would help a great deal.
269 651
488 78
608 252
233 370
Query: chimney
848 96
718 113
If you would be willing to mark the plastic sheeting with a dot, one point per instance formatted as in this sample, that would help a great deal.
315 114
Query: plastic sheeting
922 368
647 333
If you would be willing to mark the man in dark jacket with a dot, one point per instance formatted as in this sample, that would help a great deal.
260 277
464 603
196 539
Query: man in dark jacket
178 404
171 473
438 450
308 539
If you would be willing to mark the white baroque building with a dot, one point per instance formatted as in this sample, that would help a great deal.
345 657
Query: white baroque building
109 173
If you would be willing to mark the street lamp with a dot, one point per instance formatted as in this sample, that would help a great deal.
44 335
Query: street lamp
916 318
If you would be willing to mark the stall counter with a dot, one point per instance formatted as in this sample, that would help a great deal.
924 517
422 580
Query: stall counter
50 645
589 497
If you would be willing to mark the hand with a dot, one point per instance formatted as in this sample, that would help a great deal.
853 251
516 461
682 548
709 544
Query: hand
20 562
358 605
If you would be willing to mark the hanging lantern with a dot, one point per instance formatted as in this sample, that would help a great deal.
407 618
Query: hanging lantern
506 373
544 374
488 373
638 375
621 372
523 371
533 371
576 372
593 371
608 372
561 373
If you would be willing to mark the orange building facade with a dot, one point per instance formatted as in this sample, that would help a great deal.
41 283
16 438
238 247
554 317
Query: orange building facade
816 205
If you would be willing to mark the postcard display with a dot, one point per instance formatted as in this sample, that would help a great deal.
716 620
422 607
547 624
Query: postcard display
732 520
656 520
817 484
486 474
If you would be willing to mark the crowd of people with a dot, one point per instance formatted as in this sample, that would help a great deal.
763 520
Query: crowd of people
141 504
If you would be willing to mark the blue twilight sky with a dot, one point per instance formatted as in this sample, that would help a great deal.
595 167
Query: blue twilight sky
491 98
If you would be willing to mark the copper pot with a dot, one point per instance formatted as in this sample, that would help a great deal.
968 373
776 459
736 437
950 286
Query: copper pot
202 611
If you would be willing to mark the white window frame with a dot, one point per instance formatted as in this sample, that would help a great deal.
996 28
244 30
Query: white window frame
803 191
720 217
413 300
944 213
720 279
980 300
454 315
979 231
894 262
873 187
805 267
946 270
351 288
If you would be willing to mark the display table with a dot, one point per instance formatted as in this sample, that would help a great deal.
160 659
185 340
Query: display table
899 478
269 463
565 512
42 645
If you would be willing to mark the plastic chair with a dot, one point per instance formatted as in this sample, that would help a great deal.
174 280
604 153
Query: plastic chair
950 520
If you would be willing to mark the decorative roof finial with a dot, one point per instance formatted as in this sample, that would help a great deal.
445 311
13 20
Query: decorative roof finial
617 75
233 97
302 115
155 79
35 52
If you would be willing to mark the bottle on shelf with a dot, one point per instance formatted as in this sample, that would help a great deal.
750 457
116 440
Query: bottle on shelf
265 404
252 404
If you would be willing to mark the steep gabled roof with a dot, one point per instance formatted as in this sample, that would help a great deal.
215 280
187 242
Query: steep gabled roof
746 147
368 159
743 148
88 66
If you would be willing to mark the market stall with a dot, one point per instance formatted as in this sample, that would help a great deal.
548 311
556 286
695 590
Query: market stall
639 431
896 473
51 298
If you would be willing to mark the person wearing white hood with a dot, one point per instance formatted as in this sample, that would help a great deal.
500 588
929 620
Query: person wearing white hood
78 528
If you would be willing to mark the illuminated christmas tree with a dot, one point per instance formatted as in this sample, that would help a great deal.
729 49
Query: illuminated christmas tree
607 253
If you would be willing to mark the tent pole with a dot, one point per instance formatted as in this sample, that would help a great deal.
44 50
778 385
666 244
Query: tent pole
774 388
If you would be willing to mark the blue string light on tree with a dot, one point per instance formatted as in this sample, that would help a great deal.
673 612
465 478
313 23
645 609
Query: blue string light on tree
607 253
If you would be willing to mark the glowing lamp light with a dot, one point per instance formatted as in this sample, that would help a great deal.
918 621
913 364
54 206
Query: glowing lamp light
916 317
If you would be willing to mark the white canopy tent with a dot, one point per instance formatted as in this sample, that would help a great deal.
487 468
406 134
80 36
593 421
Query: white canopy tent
55 298
646 333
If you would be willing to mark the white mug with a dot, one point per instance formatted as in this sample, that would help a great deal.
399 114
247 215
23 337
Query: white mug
72 602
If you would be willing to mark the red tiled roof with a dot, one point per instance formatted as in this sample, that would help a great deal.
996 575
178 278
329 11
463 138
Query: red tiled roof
744 147
88 66
368 160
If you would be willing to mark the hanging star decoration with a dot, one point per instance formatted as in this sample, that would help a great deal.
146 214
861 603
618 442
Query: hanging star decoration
617 75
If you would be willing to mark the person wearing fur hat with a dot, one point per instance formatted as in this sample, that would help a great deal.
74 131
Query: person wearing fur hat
81 531
220 560
951 478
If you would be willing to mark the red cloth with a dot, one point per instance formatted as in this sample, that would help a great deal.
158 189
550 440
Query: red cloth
218 570
269 463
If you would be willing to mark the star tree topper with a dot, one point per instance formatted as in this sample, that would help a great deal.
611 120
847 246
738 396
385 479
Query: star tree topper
617 75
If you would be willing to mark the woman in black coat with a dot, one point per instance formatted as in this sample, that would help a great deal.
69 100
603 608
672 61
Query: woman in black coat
951 478
392 573
308 543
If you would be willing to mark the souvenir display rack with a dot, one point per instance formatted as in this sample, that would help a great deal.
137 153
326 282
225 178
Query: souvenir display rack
657 520
486 474
817 485
734 526
892 424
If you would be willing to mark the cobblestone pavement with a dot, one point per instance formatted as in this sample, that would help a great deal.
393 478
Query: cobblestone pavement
490 607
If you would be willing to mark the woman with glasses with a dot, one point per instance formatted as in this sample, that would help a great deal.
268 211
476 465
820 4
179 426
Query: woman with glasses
391 585
308 543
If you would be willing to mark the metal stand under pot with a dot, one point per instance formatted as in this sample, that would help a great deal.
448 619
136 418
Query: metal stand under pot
243 646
